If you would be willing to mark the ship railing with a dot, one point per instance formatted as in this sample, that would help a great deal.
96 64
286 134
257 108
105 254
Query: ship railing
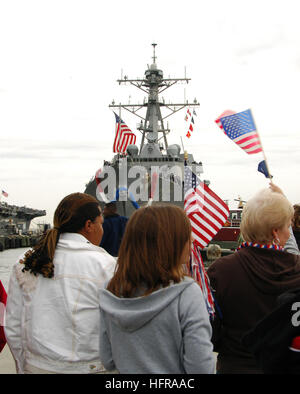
155 159
234 223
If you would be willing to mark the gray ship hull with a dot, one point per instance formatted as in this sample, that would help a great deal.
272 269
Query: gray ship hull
158 181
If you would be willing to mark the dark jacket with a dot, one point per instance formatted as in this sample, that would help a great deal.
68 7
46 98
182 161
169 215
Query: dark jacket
247 284
113 227
270 341
297 237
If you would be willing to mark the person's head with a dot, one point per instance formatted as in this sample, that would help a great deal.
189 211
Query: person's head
266 218
213 252
296 218
76 213
79 213
155 245
110 209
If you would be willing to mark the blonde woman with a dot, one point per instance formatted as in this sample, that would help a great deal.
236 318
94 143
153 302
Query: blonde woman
52 312
153 318
248 282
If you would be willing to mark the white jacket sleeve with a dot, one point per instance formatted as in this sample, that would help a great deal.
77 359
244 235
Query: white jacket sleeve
13 321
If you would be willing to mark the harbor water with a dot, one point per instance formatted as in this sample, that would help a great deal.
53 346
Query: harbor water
7 260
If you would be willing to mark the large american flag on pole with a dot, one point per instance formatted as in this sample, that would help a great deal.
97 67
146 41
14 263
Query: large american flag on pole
240 128
206 211
124 136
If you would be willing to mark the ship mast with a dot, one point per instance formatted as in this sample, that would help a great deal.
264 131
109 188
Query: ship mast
152 125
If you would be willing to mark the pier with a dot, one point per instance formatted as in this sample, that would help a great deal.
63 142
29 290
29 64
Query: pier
14 226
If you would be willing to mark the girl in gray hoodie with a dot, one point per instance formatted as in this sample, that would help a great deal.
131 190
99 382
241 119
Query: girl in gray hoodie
153 318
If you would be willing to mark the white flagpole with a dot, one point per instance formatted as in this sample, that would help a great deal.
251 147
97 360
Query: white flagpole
182 143
263 152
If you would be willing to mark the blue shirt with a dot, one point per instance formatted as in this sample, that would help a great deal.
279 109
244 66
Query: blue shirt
113 227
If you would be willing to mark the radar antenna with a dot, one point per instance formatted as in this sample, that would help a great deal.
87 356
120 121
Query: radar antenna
153 84
154 57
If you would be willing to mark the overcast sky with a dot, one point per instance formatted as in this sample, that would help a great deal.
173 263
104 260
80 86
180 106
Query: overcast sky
59 62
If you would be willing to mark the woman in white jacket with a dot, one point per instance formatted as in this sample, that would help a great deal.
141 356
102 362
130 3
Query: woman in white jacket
52 313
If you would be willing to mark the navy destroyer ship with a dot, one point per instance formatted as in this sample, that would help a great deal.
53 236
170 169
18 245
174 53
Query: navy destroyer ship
153 171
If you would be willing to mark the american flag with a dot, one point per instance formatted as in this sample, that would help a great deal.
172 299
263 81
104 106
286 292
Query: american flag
198 273
225 113
124 136
241 129
4 193
206 211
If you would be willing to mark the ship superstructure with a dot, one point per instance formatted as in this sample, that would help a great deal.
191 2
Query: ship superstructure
154 169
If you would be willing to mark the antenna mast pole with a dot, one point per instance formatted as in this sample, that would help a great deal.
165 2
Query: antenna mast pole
154 84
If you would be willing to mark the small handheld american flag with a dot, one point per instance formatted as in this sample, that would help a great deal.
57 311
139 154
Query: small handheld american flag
240 128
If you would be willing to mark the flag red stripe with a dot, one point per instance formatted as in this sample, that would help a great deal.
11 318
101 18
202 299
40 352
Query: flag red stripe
251 147
207 205
124 137
208 224
203 227
255 151
212 204
250 144
207 219
206 211
219 221
217 199
246 144
245 139
199 239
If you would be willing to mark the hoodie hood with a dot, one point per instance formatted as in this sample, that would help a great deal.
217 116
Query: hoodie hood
130 314
271 271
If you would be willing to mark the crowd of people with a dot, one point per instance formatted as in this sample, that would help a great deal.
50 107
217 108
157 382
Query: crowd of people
73 307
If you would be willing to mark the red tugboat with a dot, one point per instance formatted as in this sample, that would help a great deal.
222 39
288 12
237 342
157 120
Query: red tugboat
228 236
